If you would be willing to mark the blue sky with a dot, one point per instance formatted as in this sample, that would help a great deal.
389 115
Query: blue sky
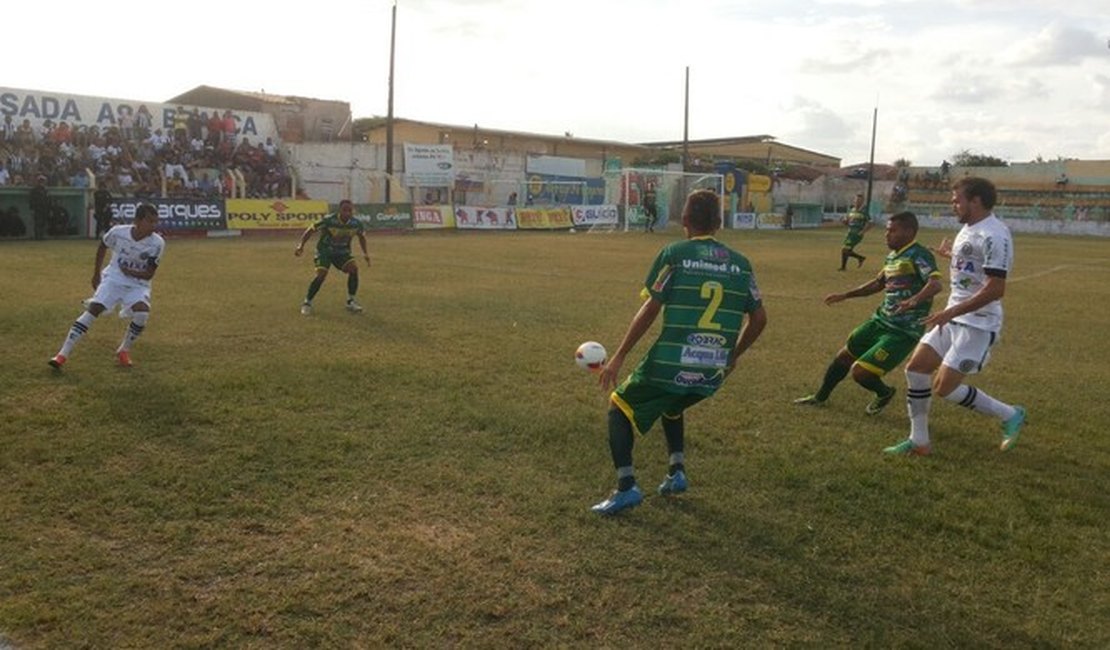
1010 78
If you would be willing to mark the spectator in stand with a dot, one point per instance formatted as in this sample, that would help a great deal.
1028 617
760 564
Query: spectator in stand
181 125
8 129
62 133
126 124
5 177
195 125
215 128
229 128
158 140
270 148
25 134
78 178
143 123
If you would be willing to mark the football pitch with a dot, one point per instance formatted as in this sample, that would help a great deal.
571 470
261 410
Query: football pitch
420 475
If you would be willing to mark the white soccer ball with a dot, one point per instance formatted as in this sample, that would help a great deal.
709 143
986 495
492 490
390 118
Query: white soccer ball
590 356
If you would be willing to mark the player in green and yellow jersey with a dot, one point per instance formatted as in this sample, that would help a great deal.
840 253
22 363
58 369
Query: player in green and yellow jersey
909 279
334 249
858 222
712 313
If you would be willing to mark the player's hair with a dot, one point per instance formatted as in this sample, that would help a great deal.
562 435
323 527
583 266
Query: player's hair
973 186
344 201
906 220
145 211
703 211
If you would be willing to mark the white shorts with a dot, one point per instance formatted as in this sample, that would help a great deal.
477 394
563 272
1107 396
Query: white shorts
110 294
963 348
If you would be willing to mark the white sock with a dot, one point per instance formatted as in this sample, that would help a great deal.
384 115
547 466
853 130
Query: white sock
79 328
134 329
919 396
977 400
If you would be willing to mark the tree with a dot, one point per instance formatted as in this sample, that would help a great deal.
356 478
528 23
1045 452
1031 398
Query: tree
364 125
902 162
967 158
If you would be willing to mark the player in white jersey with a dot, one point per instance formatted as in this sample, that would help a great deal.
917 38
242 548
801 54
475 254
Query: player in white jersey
125 281
960 337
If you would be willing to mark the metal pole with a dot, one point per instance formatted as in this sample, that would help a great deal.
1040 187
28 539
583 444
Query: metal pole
686 124
871 164
389 113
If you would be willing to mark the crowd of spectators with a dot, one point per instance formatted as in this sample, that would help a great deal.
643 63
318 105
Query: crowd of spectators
134 158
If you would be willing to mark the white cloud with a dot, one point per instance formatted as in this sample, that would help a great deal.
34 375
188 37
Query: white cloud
1059 44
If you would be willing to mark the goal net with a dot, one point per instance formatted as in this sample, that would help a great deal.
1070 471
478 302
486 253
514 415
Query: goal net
631 189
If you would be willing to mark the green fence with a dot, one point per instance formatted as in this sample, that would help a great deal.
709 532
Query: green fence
66 218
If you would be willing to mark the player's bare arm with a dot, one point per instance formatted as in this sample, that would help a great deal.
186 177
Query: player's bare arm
98 264
362 244
868 289
993 289
305 236
931 288
753 327
643 319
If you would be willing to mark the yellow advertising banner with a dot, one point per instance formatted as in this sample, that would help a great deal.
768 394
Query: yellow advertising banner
543 218
758 183
433 216
287 214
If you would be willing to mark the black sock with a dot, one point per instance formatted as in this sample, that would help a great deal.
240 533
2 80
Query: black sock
834 374
675 432
874 384
620 445
352 284
843 259
313 288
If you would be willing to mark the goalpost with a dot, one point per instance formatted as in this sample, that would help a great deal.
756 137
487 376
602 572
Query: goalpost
625 188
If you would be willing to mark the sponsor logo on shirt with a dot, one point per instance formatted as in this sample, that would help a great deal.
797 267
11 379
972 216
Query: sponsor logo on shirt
686 378
701 356
705 338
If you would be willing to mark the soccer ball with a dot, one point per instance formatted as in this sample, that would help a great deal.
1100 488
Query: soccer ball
590 356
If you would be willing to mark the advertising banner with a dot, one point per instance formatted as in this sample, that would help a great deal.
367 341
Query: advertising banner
432 216
385 216
38 107
575 190
544 218
429 165
175 214
743 220
475 218
258 214
594 215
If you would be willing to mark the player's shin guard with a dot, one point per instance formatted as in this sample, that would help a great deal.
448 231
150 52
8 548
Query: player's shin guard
134 329
834 374
313 288
352 285
674 430
620 446
919 396
976 400
79 328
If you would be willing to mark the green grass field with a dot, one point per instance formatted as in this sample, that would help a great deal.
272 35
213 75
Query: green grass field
419 476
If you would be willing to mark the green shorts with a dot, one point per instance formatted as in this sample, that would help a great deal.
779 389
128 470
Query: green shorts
326 260
879 348
643 404
851 241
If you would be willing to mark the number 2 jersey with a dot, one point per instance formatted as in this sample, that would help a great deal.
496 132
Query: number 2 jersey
981 249
706 289
127 253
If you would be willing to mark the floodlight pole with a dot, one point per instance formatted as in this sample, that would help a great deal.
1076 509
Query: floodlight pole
686 123
389 113
871 164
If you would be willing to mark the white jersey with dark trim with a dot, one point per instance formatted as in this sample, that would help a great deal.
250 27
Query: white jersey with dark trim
133 255
981 249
